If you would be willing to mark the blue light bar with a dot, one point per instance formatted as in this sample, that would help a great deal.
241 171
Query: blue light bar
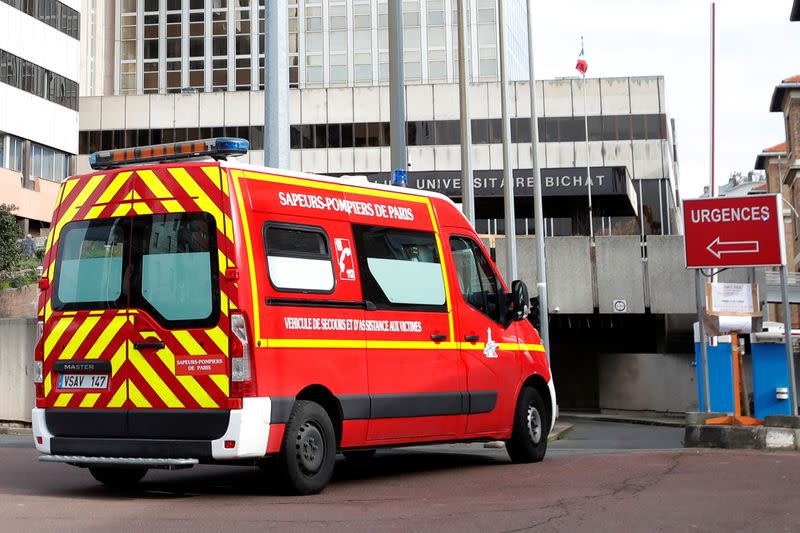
218 148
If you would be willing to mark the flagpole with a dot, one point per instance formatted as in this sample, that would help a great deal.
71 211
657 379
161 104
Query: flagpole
588 166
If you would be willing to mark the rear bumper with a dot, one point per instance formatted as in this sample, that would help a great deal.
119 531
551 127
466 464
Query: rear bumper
247 434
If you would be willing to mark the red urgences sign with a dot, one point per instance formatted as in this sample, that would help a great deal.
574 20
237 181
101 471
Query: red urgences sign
741 231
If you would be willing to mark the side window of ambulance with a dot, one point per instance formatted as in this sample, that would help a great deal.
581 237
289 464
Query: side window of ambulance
476 278
298 258
401 269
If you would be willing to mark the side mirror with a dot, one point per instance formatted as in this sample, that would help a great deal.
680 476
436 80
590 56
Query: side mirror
519 304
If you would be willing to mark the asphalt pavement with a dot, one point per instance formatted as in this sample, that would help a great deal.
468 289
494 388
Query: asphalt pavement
600 476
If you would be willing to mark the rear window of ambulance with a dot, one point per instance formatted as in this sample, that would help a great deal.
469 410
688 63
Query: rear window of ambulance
164 264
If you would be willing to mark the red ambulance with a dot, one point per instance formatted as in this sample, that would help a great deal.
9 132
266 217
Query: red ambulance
214 312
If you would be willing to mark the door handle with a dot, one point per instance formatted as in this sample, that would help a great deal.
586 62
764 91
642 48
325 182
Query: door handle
149 345
472 338
437 337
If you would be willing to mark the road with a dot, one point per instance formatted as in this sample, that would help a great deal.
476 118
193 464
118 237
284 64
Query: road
601 477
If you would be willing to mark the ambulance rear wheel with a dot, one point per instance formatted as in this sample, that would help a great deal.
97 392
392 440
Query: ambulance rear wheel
308 452
118 478
528 442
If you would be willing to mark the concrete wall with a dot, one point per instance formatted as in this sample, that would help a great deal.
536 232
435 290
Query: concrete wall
16 369
647 382
671 285
620 273
569 275
19 303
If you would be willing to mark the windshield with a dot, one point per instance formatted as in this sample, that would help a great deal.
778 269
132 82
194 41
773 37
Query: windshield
164 264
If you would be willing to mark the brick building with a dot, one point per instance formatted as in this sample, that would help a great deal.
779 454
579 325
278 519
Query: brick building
782 165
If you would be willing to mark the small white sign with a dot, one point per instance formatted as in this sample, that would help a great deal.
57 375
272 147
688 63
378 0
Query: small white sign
620 306
732 299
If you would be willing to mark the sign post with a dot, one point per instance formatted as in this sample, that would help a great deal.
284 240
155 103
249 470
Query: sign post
743 231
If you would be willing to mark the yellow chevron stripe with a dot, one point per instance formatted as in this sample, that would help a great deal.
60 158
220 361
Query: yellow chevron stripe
222 382
189 383
160 190
63 399
136 396
48 384
188 184
106 337
219 338
140 208
66 189
72 210
216 176
189 343
79 336
55 334
153 379
118 400
118 359
198 393
90 399
224 303
222 260
111 191
123 209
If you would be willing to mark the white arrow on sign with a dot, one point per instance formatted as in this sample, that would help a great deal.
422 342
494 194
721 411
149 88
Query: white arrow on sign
718 247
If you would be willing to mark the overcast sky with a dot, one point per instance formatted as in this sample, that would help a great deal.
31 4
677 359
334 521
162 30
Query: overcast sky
757 47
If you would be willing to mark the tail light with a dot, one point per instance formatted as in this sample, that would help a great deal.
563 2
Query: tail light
242 371
38 361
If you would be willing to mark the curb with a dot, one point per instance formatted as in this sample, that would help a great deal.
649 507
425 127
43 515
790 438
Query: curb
15 429
559 431
624 419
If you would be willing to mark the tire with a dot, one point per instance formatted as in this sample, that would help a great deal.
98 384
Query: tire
528 443
360 455
118 478
308 452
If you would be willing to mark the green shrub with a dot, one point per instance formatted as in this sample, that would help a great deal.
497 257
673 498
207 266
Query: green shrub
10 234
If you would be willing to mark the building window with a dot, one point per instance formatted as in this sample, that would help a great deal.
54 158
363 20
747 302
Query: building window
174 46
51 12
16 153
243 45
38 81
219 45
150 47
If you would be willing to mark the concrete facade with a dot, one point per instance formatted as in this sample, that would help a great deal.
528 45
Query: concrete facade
39 111
208 46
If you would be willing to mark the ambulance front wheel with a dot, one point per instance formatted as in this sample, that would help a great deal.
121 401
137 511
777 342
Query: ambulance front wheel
528 442
308 452
118 478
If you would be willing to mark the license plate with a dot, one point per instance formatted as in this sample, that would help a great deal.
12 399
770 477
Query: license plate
83 381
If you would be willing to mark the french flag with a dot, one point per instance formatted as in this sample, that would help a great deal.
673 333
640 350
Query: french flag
582 65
